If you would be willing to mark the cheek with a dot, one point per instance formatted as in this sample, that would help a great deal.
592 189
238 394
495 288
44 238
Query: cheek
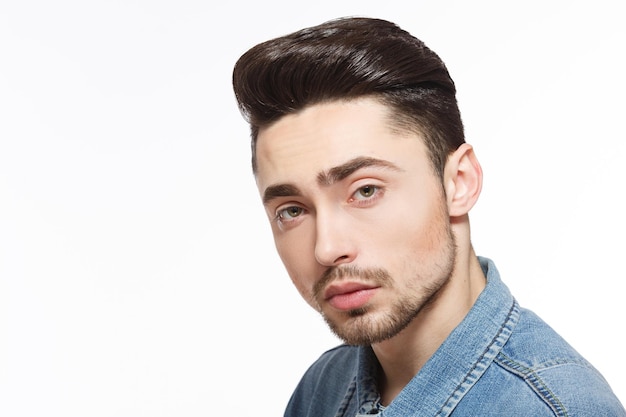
414 226
433 231
299 261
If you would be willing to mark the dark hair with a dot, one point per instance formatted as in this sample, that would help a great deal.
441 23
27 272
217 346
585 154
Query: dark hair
345 59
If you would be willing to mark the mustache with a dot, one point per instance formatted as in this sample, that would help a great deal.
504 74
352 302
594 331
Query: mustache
336 273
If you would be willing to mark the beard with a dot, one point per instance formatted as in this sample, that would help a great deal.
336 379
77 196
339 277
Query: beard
366 326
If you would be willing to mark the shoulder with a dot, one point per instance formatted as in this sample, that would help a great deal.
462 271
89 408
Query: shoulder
545 366
325 384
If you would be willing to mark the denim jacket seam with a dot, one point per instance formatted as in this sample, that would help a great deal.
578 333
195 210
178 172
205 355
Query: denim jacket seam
483 362
534 381
345 403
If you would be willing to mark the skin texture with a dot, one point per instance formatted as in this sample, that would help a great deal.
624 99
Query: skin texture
368 233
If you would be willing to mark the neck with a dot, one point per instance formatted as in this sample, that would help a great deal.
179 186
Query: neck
402 356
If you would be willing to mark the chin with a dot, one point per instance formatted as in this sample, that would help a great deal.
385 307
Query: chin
363 328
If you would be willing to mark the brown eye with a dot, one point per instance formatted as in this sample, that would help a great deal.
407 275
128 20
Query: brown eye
290 212
366 191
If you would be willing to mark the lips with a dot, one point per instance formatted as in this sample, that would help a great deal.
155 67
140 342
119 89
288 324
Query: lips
349 295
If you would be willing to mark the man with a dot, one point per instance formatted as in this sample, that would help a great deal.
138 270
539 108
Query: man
359 155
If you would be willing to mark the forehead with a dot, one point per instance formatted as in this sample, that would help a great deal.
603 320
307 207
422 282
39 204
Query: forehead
298 146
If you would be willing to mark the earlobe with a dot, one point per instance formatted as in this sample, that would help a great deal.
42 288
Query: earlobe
463 180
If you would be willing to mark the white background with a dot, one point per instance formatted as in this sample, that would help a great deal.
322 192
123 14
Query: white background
137 272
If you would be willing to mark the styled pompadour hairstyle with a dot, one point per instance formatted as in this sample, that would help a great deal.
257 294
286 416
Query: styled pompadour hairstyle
351 58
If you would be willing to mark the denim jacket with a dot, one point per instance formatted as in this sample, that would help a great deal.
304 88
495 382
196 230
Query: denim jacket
501 360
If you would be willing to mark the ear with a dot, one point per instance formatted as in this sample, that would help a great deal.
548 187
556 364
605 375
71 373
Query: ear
463 180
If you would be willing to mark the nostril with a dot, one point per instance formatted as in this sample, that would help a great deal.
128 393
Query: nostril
342 259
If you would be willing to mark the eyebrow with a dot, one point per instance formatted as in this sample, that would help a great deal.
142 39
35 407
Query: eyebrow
280 190
329 177
343 171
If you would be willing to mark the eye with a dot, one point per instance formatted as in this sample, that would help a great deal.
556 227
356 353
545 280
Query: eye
289 213
366 192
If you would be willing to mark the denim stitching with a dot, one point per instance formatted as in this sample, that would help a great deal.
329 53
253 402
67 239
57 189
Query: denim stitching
535 382
459 391
347 398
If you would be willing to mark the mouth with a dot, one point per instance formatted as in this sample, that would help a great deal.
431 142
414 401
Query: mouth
349 296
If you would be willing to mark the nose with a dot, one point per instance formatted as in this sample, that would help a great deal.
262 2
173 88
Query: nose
334 244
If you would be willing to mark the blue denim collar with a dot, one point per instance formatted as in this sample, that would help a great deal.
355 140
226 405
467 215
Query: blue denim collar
451 371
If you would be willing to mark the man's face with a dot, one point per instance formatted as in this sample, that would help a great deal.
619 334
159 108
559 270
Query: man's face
358 216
